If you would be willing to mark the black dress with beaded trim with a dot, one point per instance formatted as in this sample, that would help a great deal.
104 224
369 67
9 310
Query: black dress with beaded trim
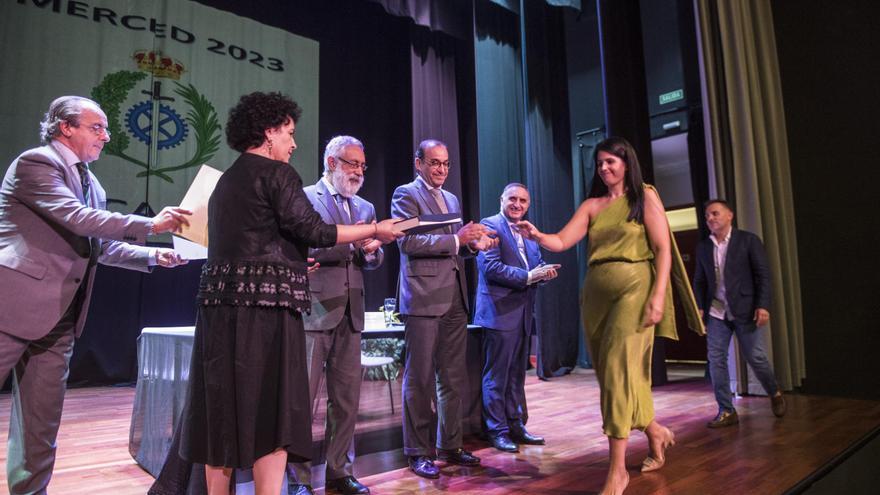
248 390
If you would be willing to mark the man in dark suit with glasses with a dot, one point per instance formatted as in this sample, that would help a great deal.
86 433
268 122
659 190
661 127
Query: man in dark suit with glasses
433 300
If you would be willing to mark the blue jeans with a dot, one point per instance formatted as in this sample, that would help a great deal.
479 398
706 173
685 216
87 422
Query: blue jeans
751 344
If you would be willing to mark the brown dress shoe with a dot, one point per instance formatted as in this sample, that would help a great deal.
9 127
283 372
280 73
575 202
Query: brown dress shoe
777 403
724 418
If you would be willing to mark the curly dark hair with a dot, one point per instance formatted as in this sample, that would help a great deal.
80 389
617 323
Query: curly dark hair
256 112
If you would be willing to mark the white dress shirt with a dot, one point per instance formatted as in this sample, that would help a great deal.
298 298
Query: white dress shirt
718 309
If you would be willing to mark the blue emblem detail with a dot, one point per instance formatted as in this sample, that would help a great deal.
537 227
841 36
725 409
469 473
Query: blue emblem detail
172 128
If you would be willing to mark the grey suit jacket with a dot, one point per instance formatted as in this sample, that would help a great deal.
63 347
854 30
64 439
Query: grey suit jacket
45 231
340 280
430 265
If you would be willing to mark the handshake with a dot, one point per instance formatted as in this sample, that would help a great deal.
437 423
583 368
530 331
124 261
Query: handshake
542 273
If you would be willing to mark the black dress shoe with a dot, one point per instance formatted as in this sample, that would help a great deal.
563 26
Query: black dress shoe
424 467
503 443
525 438
346 486
458 456
299 489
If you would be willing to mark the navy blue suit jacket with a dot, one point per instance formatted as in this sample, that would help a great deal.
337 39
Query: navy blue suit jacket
746 276
504 301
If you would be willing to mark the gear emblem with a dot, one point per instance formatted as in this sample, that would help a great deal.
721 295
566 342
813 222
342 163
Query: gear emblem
172 128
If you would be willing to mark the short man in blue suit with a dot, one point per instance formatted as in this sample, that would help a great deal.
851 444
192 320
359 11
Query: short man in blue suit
732 288
434 302
509 277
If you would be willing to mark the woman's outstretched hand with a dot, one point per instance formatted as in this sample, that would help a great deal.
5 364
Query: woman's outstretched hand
527 230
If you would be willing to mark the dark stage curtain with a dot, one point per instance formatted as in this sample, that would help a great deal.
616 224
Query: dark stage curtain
441 76
447 16
499 86
365 91
550 179
434 97
514 5
123 302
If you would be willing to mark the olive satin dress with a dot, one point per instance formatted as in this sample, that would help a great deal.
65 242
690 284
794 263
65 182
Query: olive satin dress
617 287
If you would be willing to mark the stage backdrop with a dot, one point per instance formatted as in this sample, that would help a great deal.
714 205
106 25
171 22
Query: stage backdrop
178 61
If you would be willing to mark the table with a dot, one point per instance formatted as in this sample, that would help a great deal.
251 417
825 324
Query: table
164 355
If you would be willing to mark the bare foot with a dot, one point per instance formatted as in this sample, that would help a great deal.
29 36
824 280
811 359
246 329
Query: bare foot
660 439
615 483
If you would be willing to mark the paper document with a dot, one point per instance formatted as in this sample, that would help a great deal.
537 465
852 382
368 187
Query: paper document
426 223
189 250
196 200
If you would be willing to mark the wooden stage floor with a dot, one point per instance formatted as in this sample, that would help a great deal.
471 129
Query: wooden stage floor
763 455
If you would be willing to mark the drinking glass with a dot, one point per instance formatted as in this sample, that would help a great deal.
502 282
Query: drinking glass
388 308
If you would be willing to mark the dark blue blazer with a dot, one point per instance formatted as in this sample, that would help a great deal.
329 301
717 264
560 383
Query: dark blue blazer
746 276
504 301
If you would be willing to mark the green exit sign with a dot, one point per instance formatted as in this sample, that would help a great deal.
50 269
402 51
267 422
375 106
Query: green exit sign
671 96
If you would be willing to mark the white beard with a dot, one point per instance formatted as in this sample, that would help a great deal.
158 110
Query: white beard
342 182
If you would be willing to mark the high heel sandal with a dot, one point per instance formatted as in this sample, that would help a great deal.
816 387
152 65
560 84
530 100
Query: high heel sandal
654 463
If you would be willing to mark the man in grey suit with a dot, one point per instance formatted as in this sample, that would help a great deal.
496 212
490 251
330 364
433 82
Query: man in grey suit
53 230
333 329
433 299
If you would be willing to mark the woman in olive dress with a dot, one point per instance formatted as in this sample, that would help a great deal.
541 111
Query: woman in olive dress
626 295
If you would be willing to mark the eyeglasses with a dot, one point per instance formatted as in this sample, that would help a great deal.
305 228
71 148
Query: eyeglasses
352 165
434 163
98 129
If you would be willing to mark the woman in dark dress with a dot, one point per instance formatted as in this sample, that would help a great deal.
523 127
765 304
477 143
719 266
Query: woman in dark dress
248 399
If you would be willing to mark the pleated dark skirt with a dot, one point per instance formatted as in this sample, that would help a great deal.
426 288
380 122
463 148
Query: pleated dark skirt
248 387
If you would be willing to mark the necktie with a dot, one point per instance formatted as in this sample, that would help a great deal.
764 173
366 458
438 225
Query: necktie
340 205
520 245
85 181
438 198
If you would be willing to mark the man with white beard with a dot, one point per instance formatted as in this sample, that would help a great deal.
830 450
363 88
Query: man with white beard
333 329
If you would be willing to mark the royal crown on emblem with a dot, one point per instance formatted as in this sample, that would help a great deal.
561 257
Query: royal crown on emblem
158 64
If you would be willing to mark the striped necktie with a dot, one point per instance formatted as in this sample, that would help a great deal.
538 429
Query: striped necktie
85 181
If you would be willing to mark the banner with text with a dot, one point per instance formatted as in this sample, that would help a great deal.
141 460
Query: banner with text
166 72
